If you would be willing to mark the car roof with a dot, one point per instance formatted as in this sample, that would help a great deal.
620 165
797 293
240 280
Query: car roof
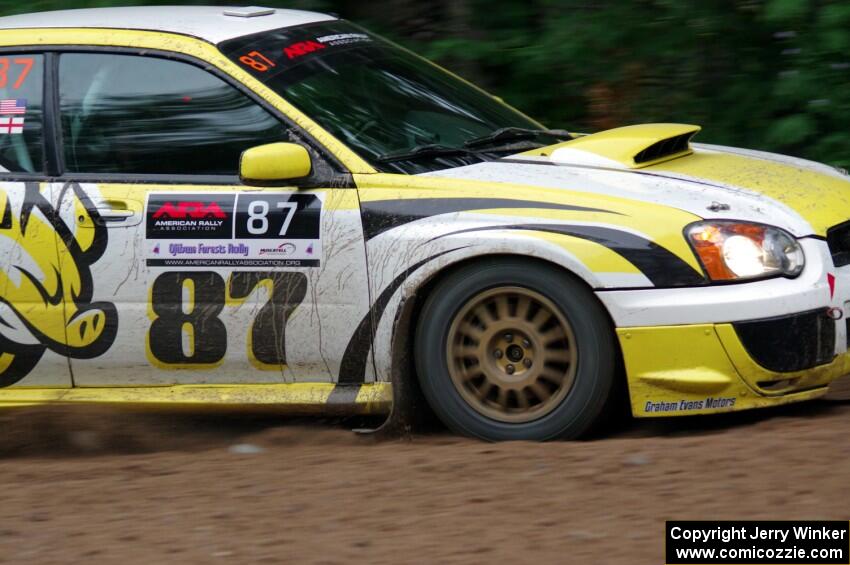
211 23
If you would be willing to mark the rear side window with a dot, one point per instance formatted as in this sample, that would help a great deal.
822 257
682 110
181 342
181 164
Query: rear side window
21 86
144 115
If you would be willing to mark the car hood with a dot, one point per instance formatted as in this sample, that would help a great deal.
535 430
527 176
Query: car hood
709 181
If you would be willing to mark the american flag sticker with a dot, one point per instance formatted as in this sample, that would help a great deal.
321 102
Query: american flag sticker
10 125
13 107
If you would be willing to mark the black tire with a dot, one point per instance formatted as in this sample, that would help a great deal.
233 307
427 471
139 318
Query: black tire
597 353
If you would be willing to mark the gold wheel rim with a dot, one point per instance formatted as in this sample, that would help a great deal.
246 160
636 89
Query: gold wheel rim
511 354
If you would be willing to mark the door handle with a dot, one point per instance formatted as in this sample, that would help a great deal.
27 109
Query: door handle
116 211
110 216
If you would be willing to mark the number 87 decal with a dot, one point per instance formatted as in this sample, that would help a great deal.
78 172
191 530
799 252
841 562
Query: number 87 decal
258 211
187 332
270 216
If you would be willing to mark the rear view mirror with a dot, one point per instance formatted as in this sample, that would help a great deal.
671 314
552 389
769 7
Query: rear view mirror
274 162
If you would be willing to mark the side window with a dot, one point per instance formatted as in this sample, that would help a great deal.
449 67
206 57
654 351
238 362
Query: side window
21 85
144 115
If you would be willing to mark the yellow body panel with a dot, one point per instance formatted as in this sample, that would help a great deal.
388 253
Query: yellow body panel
6 361
595 256
686 370
821 199
370 398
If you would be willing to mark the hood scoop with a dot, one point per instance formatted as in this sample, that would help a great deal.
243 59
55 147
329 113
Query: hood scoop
630 147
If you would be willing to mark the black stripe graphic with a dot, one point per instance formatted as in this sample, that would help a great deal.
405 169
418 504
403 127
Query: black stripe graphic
383 215
662 267
6 222
34 199
352 370
344 394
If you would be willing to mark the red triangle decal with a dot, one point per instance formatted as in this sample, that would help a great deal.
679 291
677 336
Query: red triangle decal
830 278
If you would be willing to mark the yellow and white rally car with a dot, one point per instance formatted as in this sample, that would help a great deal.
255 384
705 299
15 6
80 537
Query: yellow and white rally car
204 205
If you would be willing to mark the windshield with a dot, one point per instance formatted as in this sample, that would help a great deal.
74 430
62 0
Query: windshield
381 100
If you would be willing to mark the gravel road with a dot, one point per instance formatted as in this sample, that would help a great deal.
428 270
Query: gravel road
95 485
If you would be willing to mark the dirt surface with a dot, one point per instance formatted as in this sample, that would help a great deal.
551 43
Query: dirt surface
84 485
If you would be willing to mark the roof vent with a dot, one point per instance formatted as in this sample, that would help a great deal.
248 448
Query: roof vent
249 12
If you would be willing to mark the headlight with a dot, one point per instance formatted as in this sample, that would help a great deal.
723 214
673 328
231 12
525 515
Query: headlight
738 251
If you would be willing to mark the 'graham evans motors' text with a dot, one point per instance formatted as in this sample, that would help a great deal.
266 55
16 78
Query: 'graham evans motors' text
686 405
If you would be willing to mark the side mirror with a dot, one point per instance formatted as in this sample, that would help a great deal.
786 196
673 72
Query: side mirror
274 162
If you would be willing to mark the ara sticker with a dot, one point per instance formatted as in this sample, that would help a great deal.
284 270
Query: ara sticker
293 49
230 230
302 48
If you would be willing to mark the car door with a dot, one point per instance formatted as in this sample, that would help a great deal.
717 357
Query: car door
33 288
212 281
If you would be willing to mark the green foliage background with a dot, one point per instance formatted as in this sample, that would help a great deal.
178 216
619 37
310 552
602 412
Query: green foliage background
766 74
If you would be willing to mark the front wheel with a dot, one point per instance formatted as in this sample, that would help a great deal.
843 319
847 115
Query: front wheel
515 350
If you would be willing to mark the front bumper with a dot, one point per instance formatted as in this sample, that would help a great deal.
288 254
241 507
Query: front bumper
706 369
722 348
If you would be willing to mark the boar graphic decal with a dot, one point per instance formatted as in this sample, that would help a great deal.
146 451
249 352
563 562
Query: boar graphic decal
46 282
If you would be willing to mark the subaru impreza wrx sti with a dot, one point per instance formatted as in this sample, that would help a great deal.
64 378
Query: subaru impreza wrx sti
241 206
